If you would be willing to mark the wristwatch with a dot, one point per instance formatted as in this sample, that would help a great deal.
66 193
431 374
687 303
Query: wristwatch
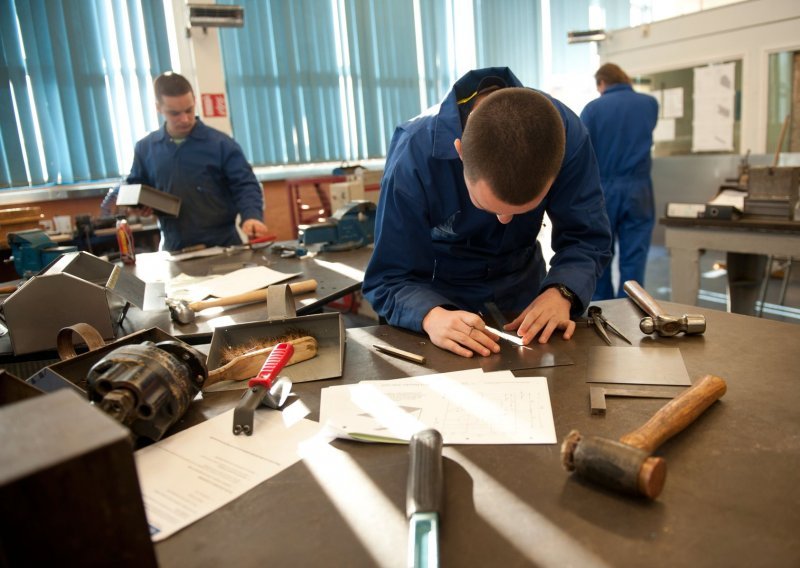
566 293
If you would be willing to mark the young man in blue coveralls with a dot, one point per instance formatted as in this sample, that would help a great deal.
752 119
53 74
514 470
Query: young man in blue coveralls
464 190
204 167
620 123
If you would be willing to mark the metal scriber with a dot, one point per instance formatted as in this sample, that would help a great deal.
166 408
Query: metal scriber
600 323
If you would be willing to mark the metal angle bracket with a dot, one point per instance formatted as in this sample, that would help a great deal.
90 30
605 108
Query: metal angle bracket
597 395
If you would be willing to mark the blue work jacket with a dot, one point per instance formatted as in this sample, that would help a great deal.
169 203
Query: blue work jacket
433 247
210 174
620 123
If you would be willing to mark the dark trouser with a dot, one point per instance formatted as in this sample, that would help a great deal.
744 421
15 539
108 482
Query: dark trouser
631 213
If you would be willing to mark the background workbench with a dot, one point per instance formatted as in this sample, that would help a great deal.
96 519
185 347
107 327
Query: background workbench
337 274
731 496
746 241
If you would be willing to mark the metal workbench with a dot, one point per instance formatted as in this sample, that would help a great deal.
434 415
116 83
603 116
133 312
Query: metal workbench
731 496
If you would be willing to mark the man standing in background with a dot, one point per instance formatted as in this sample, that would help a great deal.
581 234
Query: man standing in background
204 167
621 123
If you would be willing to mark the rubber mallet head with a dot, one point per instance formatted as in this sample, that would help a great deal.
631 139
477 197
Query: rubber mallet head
613 464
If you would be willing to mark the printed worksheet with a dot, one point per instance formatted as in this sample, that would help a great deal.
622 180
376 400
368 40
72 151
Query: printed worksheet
195 472
466 407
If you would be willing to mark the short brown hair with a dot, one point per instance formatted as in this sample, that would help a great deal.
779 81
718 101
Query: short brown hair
514 141
611 74
171 84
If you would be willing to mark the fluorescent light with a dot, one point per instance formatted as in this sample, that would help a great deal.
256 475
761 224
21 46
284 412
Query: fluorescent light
586 36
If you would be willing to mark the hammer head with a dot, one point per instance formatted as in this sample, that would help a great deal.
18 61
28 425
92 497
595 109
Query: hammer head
613 464
180 311
667 326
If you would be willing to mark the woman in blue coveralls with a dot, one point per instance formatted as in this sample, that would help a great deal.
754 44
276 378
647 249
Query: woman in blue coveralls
464 190
621 123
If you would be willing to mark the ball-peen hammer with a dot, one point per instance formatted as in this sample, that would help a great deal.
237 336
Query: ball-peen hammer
627 465
183 312
657 319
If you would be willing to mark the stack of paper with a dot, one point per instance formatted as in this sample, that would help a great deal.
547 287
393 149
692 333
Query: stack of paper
466 407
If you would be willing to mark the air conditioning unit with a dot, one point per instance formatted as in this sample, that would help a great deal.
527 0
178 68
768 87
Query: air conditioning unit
215 16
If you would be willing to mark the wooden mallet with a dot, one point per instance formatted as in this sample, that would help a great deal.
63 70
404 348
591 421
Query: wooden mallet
628 465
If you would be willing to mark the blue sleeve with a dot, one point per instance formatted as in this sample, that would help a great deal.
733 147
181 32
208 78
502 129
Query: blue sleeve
398 278
581 237
244 188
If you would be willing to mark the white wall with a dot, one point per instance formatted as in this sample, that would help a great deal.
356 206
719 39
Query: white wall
749 31
200 61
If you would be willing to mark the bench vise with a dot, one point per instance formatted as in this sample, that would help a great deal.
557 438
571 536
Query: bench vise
351 227
32 250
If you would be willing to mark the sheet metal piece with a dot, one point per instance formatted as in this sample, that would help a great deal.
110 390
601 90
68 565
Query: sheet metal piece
512 358
513 339
513 355
637 365
598 394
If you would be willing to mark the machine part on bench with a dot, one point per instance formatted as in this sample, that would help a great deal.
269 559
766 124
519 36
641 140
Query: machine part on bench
147 387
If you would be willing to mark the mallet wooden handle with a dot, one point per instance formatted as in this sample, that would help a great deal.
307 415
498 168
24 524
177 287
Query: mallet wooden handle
252 297
676 414
642 299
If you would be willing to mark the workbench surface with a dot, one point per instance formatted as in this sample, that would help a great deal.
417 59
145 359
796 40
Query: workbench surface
732 496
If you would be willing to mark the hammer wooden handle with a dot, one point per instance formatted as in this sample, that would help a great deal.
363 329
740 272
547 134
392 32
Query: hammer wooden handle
676 414
251 297
642 299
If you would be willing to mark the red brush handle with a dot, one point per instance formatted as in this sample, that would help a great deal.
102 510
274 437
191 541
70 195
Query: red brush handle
265 239
275 362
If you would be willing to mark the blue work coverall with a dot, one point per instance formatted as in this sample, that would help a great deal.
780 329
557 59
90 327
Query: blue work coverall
210 174
433 247
620 123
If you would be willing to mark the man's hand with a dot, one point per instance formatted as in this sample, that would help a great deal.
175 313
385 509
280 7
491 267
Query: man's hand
254 229
548 311
460 332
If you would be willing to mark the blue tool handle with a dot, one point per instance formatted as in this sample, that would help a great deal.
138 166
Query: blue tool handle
425 474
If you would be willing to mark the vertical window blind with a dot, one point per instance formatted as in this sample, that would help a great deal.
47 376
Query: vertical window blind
312 80
75 86
307 80
328 80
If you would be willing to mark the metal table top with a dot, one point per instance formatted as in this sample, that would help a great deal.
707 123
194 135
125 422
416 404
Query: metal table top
731 496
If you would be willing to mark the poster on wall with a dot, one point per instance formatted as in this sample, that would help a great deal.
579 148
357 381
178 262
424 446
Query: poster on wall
214 105
714 95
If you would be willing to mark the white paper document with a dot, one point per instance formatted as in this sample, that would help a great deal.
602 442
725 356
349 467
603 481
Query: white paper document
195 472
466 407
202 253
244 280
730 197
714 98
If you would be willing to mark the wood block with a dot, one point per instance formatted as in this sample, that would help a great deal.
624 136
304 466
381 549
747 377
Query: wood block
69 492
